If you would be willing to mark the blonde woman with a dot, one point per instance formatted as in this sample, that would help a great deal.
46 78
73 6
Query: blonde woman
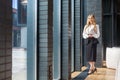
91 33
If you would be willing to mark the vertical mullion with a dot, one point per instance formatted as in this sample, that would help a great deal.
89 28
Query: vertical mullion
57 40
31 40
73 37
50 39
69 39
112 15
116 22
81 30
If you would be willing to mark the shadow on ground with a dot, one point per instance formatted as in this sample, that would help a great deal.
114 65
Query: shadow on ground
82 75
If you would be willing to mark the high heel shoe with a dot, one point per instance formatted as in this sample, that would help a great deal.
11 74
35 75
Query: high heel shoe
95 70
92 71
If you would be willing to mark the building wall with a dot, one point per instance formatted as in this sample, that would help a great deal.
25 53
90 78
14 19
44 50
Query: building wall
6 40
77 34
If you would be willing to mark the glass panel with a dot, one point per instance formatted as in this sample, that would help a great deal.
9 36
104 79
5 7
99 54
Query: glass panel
22 9
107 30
19 37
118 6
118 30
107 6
72 37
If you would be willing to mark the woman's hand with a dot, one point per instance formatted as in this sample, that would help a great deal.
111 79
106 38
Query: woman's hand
90 35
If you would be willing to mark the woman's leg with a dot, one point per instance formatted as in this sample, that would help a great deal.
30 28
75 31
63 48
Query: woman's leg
90 70
93 65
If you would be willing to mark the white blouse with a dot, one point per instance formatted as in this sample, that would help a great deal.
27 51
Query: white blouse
90 30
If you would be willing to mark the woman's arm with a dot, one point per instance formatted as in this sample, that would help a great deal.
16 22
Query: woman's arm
98 32
85 35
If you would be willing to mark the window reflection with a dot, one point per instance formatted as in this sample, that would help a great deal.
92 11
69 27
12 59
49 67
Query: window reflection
19 39
22 10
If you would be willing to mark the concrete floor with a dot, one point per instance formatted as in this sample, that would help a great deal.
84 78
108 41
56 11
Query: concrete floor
19 64
101 74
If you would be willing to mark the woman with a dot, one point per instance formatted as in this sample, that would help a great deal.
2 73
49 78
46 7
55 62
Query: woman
91 33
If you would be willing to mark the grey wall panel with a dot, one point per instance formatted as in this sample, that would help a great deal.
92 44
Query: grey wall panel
45 39
65 40
77 17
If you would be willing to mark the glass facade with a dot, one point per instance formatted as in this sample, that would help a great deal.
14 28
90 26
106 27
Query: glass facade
47 36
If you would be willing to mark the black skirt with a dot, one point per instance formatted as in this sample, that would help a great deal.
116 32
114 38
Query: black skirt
91 49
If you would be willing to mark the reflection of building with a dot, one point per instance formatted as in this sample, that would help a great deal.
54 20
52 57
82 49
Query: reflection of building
22 13
19 26
16 30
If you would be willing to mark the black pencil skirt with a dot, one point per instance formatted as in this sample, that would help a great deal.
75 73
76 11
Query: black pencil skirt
91 49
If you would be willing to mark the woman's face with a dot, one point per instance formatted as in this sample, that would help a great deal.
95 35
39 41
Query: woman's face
90 18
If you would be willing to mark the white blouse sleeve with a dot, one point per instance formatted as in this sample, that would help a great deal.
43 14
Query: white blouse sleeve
85 35
98 32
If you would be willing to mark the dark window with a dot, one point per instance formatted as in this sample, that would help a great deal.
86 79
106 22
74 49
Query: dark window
117 26
118 6
107 30
111 17
107 6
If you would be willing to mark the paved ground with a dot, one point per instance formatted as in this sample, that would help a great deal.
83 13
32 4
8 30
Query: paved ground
101 74
19 64
19 75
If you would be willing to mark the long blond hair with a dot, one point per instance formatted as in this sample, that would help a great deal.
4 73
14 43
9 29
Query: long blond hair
93 22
